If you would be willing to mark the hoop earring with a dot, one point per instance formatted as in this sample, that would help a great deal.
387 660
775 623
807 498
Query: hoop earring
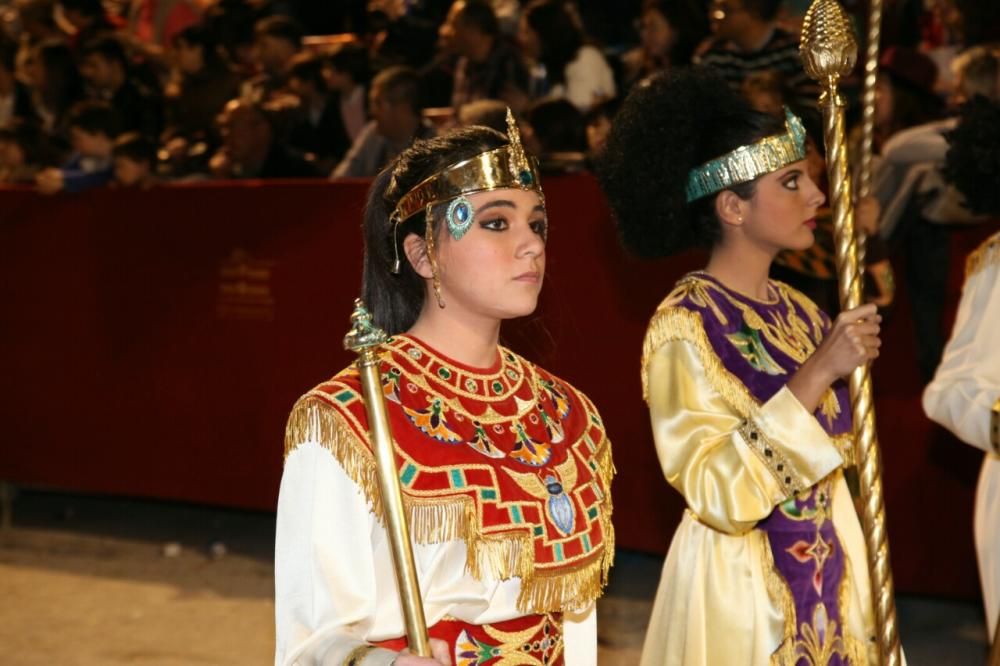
396 266
431 258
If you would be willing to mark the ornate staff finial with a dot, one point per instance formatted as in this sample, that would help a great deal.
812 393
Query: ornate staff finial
363 333
828 46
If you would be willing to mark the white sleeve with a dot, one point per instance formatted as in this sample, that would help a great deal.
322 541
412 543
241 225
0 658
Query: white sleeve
580 638
967 383
324 574
589 79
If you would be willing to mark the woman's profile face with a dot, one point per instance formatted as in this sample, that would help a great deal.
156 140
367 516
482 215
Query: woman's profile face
495 271
782 211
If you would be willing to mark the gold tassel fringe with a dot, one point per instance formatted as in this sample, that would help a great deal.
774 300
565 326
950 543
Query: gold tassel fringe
676 323
436 520
985 255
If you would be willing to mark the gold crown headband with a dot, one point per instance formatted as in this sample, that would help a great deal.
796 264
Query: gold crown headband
507 167
748 162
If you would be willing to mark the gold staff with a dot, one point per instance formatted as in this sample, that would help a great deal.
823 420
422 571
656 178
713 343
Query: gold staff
868 113
365 339
829 51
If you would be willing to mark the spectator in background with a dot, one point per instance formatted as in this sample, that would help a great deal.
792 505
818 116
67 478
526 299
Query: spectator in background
56 85
158 22
24 151
904 93
488 67
746 39
134 161
276 41
490 113
89 20
346 74
15 97
231 24
598 123
250 149
93 126
37 21
105 67
669 33
766 92
567 66
201 84
316 126
559 129
396 123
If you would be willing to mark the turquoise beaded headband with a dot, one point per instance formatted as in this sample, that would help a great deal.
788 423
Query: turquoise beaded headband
748 162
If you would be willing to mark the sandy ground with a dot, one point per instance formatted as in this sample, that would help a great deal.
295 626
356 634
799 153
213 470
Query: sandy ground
85 600
82 600
87 581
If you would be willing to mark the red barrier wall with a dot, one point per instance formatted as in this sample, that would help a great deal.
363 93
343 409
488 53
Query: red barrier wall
152 344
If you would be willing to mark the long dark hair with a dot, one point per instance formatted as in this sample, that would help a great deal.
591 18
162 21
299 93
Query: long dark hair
558 33
395 300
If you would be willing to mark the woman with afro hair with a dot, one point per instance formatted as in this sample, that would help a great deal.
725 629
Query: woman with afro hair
743 377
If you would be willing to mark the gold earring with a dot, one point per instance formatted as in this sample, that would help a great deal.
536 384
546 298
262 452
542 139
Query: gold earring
429 242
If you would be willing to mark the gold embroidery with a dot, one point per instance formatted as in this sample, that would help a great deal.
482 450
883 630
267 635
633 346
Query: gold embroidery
987 254
570 586
829 407
775 461
781 596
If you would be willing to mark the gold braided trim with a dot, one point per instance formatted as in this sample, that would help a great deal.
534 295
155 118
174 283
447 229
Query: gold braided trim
781 596
782 471
994 427
987 254
500 556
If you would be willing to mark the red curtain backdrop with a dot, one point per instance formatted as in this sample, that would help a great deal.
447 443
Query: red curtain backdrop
152 344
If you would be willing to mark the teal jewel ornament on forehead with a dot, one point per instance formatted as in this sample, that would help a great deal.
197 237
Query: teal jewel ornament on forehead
459 217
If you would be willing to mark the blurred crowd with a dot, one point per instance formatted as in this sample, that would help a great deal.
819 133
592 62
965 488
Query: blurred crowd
134 92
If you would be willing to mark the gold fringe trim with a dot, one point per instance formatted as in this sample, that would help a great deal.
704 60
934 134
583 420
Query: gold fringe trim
781 596
987 254
572 591
676 323
436 520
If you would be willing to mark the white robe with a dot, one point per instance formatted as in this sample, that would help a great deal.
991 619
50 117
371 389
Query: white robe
961 398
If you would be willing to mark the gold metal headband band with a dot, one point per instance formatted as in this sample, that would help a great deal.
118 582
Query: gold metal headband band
501 168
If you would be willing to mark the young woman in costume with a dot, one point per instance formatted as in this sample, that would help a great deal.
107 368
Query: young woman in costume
505 469
742 375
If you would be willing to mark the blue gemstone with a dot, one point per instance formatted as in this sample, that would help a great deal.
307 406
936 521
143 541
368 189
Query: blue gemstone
462 212
526 177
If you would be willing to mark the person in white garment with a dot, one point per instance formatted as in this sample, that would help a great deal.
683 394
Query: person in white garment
965 393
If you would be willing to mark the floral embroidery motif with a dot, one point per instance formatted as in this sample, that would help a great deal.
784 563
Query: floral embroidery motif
818 551
535 646
747 342
820 643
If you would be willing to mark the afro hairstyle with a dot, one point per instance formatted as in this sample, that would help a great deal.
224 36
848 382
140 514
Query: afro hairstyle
666 127
973 161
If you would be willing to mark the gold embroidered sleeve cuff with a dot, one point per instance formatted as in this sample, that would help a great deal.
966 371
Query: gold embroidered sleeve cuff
772 457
